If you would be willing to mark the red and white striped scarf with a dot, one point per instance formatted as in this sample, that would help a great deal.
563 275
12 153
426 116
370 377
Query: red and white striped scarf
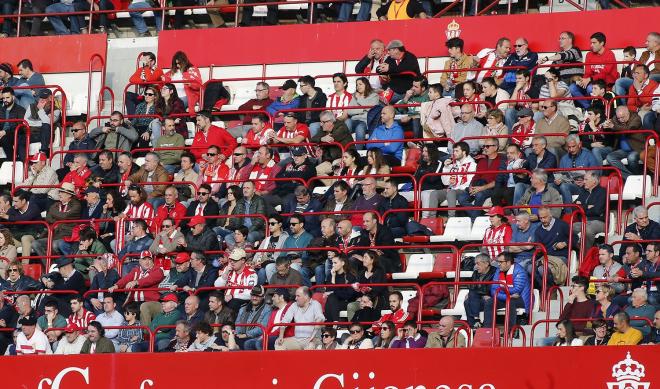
143 211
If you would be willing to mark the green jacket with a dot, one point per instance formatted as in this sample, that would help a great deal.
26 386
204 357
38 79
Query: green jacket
165 319
82 264
170 157
103 346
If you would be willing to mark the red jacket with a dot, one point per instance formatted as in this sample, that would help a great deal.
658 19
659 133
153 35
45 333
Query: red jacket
177 212
149 279
635 103
215 136
146 74
78 178
601 72
259 172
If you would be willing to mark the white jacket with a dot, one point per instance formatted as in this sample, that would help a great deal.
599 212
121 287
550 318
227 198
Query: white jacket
465 165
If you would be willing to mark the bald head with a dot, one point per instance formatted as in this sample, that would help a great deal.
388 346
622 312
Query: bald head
446 325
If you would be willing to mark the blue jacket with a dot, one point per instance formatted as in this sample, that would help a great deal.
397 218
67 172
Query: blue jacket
383 133
584 159
520 285
529 60
549 161
247 315
278 105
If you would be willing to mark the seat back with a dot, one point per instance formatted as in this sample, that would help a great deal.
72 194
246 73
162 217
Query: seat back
479 228
418 263
444 262
435 224
32 270
458 227
485 337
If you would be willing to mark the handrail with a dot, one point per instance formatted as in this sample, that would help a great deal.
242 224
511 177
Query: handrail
90 73
587 320
264 331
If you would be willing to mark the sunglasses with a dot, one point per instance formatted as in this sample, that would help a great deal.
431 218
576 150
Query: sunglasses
326 336
77 129
520 45
167 225
273 223
294 224
238 154
384 328
203 193
353 332
599 291
13 270
149 94
225 332
544 106
211 154
487 146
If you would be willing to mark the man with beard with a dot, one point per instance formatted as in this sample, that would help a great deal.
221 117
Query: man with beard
11 110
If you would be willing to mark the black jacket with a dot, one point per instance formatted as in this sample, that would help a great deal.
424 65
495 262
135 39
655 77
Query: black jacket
23 283
304 171
403 73
188 278
593 202
390 259
484 289
396 219
205 241
318 101
211 208
16 112
111 176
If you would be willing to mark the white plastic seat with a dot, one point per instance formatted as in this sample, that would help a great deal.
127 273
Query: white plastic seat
457 228
417 263
407 295
6 172
633 188
459 307
320 190
479 228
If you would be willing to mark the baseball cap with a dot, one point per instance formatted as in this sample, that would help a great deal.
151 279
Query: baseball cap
496 210
196 220
288 84
238 254
258 290
146 254
70 328
169 297
28 321
298 151
44 93
525 112
38 157
182 257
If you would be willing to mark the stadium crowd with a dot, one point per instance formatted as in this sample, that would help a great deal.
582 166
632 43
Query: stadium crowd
171 242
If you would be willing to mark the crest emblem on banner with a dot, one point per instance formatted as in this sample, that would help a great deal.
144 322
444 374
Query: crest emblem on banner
453 30
628 374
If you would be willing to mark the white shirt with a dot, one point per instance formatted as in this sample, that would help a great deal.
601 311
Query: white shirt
66 348
109 320
37 344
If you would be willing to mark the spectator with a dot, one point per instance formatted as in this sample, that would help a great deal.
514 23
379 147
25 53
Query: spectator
7 251
260 102
446 336
495 127
264 167
417 94
523 232
374 234
390 130
482 183
187 174
553 234
634 266
110 318
71 343
233 206
138 242
552 123
398 316
200 237
387 335
608 270
492 58
468 126
505 184
126 168
305 310
182 339
146 275
41 175
341 98
312 97
538 158
191 311
201 275
376 165
335 131
493 95
240 164
288 100
601 334
364 96
151 171
526 87
554 88
237 274
339 297
51 321
623 84
625 335
147 72
16 280
598 145
428 164
56 21
367 311
401 66
539 194
79 174
516 280
436 115
257 312
79 315
170 139
472 97
300 168
357 339
203 206
188 90
370 62
397 222
275 240
284 274
41 117
409 337
499 232
594 70
31 340
172 105
568 54
81 142
208 135
524 126
653 257
172 209
351 166
640 307
169 316
569 183
67 208
477 296
106 171
461 162
218 312
213 170
302 202
340 202
452 81
298 239
521 57
328 339
11 110
321 261
259 132
118 133
566 334
105 277
592 198
371 273
129 336
579 306
642 229
204 338
643 85
654 336
149 126
88 244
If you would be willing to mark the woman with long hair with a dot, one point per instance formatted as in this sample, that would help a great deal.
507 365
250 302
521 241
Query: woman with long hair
471 95
350 166
149 127
183 70
376 165
338 298
233 206
386 336
113 206
173 105
566 334
372 273
366 97
7 251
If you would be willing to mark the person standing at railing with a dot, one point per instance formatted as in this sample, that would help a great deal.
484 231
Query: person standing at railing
643 85
651 54
595 69
11 110
568 54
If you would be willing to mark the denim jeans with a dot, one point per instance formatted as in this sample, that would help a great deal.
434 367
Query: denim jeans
345 11
621 87
105 5
57 22
518 192
138 20
600 153
614 159
578 91
314 128
360 131
510 118
567 190
466 200
514 304
474 304
649 119
364 14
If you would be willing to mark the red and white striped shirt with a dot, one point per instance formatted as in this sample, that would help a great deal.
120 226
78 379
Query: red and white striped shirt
83 321
36 344
247 278
336 101
488 58
300 130
143 211
497 235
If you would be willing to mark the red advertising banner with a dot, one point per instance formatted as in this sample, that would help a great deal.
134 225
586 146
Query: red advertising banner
477 368
425 38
